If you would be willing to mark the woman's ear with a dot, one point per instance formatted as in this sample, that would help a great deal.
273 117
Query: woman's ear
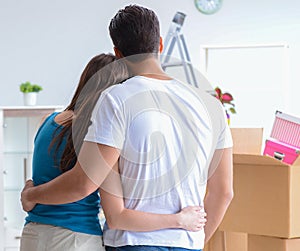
161 45
118 54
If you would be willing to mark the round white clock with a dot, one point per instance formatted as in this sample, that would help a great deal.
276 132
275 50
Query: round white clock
208 6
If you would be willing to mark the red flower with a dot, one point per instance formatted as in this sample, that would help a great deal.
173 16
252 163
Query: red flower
226 99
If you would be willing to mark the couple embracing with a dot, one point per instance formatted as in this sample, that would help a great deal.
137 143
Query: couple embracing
155 150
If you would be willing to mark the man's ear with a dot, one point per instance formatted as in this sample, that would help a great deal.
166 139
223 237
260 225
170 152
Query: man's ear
161 45
118 54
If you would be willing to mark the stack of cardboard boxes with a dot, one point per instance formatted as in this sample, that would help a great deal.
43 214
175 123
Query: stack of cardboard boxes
227 241
245 141
266 204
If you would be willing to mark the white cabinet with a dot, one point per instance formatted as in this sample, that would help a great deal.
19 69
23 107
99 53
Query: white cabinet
18 126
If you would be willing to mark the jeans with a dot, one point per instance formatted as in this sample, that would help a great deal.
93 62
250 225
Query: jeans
149 248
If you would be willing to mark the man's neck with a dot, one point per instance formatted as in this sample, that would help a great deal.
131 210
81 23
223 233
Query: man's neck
149 68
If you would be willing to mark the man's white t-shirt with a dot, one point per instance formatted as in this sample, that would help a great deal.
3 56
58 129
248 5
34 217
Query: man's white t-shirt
167 132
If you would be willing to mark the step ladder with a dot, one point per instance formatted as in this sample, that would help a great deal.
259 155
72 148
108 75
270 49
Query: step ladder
175 36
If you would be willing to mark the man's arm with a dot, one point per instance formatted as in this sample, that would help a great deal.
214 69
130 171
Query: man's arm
191 218
219 190
94 163
80 182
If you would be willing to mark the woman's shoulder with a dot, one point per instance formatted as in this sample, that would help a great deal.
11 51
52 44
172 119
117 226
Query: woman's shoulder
58 117
44 118
64 116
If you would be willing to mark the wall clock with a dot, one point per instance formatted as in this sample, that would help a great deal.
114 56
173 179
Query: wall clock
208 6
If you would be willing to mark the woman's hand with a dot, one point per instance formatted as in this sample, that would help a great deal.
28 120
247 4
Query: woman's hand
26 203
192 218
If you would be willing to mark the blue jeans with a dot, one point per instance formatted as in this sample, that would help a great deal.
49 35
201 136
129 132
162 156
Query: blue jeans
149 248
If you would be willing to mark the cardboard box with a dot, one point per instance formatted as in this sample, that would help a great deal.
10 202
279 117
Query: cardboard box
266 197
236 241
227 241
266 243
247 140
216 243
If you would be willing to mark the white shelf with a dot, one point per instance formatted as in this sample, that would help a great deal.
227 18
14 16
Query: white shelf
12 189
28 111
18 126
17 152
56 107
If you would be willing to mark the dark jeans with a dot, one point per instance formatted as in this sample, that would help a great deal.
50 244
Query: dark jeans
148 248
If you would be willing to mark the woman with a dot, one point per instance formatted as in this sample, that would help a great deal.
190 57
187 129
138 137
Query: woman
75 226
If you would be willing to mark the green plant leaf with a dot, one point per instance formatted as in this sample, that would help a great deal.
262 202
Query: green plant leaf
232 110
36 88
28 87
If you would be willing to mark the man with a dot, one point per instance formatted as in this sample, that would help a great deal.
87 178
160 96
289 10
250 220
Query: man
171 140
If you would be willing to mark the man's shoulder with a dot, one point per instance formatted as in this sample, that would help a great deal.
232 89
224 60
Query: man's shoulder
202 94
120 86
213 106
113 92
128 88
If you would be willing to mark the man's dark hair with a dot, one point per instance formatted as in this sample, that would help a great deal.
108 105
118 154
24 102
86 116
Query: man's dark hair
135 30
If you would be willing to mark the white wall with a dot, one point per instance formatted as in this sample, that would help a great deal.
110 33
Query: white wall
49 42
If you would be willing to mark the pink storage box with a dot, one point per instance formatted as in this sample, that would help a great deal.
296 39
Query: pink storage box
285 138
281 151
286 128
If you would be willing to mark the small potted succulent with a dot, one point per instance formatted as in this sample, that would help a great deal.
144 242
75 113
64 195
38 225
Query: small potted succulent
226 99
30 92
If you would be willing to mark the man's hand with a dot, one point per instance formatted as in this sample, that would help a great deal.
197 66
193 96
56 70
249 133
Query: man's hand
26 203
192 218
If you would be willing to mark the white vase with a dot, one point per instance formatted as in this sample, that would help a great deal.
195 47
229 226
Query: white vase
30 98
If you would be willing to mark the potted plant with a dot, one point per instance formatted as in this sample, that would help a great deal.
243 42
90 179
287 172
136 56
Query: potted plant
226 100
30 92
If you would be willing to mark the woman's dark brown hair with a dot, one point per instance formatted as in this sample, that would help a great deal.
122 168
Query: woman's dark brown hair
101 72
